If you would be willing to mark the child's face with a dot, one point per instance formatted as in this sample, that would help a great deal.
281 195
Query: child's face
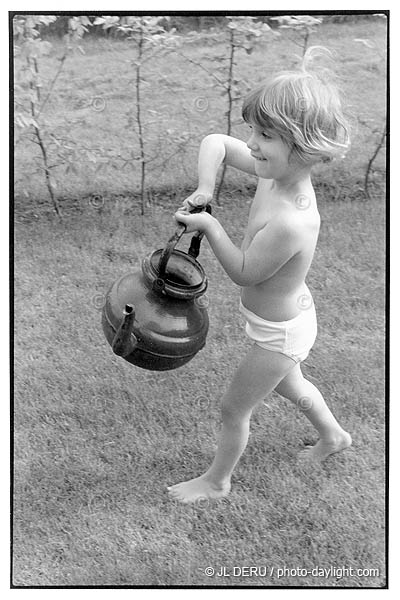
270 152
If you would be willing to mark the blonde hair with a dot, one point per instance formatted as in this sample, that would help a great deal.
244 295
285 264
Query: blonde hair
304 109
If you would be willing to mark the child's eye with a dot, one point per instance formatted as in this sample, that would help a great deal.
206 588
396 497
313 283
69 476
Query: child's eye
266 136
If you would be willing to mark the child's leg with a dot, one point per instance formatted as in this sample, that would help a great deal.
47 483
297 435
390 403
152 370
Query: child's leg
309 399
257 375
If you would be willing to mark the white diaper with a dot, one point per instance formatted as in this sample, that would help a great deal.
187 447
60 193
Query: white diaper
294 338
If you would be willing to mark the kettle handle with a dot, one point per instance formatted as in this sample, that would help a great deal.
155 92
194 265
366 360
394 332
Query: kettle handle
194 248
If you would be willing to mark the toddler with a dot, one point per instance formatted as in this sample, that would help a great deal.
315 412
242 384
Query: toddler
295 121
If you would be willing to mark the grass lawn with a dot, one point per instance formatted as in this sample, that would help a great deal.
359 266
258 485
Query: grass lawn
97 440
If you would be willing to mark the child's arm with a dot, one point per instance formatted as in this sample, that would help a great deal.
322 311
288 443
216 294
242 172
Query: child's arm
270 249
214 150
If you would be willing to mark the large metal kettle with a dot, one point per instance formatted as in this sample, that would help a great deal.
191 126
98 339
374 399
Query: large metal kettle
155 317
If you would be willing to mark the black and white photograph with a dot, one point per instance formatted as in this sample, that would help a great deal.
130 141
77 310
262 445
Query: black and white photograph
199 304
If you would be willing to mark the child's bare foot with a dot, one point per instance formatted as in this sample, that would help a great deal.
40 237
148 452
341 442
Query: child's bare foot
200 487
324 448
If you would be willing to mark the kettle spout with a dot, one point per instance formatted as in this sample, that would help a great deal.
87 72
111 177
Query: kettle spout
125 341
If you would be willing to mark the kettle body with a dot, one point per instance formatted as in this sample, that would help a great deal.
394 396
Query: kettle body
156 317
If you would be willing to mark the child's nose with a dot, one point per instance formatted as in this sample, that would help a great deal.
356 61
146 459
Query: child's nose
251 143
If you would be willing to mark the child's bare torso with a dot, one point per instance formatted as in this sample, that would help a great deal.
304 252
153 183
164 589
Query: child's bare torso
277 298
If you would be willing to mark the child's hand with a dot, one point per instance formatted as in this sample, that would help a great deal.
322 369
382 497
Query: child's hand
193 221
197 200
